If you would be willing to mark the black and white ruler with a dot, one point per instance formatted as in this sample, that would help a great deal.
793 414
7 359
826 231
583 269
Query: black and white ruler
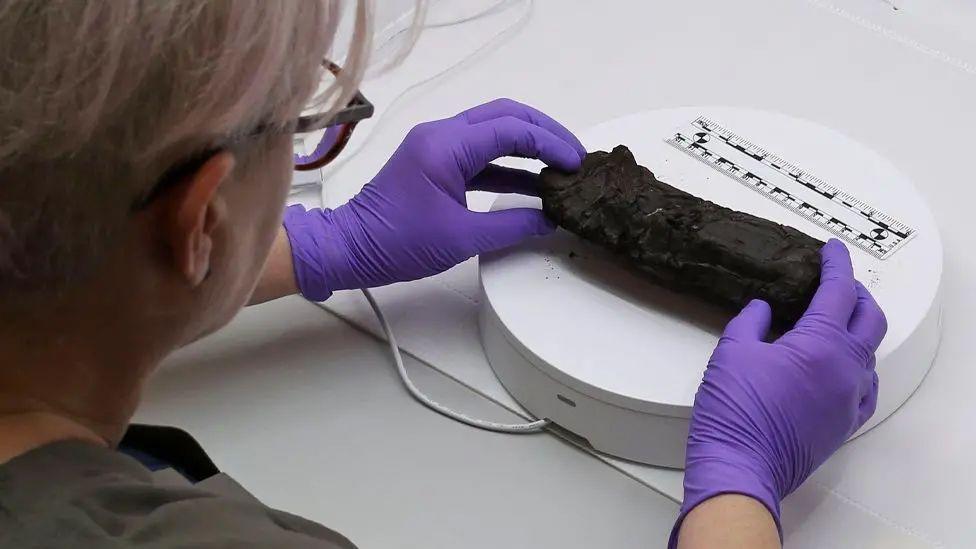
785 183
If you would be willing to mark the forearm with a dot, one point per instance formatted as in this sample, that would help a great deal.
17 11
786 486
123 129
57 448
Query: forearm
730 521
278 276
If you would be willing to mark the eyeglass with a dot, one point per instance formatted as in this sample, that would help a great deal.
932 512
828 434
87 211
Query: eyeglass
338 129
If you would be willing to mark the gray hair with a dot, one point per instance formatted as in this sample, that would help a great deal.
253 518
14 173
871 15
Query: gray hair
98 97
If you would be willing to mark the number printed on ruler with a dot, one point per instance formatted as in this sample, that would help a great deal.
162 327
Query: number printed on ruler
787 184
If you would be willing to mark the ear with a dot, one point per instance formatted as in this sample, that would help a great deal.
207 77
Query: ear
193 211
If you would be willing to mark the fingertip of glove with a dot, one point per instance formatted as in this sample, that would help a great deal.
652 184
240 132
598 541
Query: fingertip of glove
538 223
758 304
573 162
581 150
834 250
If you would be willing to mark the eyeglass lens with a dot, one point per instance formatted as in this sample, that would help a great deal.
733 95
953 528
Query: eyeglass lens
331 138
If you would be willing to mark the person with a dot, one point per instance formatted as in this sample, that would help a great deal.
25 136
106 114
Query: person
146 154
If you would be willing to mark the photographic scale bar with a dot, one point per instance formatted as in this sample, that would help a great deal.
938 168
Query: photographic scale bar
785 183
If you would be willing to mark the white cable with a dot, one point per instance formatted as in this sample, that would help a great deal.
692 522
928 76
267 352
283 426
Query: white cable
494 8
338 165
473 17
517 428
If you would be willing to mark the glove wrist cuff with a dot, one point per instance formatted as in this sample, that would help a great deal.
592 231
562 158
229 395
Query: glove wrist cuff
317 250
708 478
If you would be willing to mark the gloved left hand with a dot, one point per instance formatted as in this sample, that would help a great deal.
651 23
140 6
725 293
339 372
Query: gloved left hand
412 221
768 414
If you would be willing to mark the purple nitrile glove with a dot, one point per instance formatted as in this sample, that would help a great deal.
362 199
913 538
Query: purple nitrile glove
768 414
412 219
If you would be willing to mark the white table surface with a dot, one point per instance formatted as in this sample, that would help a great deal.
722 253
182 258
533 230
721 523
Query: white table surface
305 411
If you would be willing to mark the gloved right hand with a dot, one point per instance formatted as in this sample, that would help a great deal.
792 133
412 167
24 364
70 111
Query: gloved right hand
412 220
768 414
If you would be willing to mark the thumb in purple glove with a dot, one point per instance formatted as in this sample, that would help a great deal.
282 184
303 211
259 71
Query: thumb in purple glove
768 414
412 220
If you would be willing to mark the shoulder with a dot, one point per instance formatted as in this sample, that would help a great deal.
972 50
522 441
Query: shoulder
73 496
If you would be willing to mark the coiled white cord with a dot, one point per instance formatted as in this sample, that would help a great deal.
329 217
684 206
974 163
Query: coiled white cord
526 5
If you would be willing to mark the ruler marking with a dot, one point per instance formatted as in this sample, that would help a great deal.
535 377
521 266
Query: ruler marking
875 232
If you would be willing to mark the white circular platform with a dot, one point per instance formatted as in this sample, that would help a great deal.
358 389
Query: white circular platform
577 337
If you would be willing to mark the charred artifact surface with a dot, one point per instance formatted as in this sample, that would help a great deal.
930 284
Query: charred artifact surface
680 241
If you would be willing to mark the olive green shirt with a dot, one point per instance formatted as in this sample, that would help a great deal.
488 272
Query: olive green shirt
72 494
